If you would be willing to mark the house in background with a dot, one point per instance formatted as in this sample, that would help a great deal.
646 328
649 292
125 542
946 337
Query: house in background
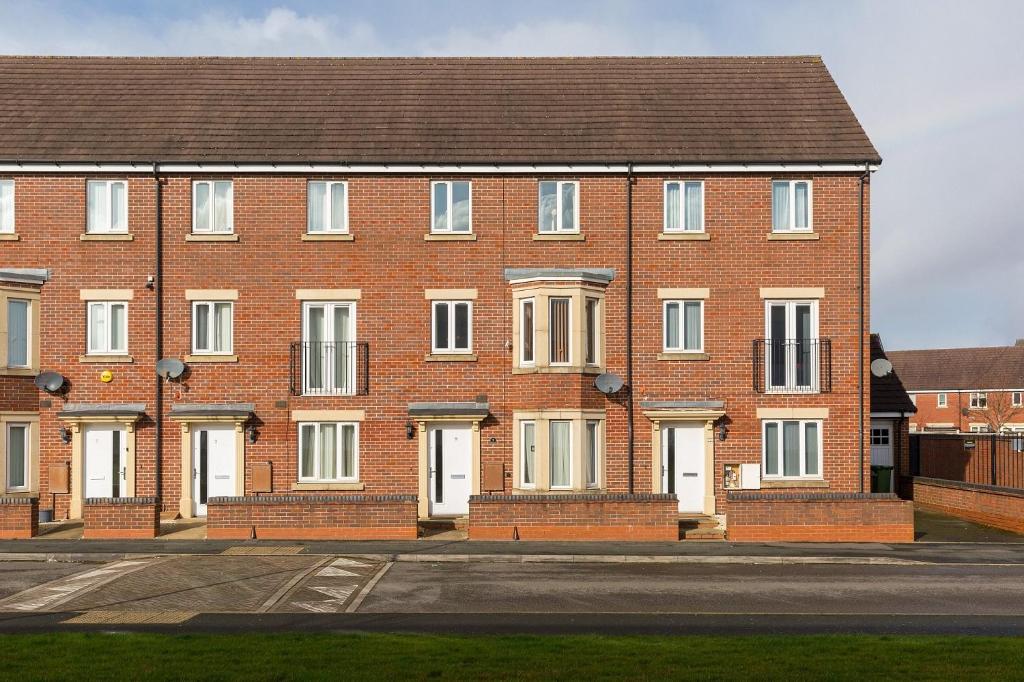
891 411
964 390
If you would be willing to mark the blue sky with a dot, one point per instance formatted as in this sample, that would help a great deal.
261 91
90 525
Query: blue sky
938 85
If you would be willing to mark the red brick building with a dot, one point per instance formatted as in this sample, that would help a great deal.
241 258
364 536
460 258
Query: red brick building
390 285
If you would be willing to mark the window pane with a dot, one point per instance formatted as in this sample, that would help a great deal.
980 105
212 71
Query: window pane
97 327
693 325
800 196
591 339
202 323
694 206
559 330
672 206
118 327
222 206
592 450
17 437
529 447
348 451
811 446
97 198
791 448
338 207
315 324
462 326
441 207
328 451
771 449
527 331
222 327
559 451
202 207
548 206
780 206
315 206
441 326
568 206
777 345
460 207
6 205
118 220
17 333
672 325
307 446
342 323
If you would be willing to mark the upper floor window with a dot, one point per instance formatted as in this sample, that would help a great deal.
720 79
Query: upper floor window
528 332
212 206
451 206
792 449
452 327
1017 399
107 206
684 206
329 451
558 206
941 400
792 346
18 445
6 206
979 401
18 331
212 327
329 348
792 206
108 328
558 328
980 428
327 207
684 326
591 330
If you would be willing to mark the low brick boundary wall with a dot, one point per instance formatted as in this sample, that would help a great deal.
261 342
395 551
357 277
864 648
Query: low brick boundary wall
818 517
986 504
19 518
313 517
123 518
642 517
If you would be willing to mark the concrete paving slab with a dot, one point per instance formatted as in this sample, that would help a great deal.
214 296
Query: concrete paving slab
18 576
932 526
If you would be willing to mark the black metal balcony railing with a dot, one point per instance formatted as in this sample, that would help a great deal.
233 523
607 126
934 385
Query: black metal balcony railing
330 368
792 365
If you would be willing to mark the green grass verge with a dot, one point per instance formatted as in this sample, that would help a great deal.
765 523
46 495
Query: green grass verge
427 657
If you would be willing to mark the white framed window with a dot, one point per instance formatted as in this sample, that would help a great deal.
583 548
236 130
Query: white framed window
558 206
19 330
452 327
684 206
560 330
792 206
212 327
941 400
527 332
792 352
451 206
108 328
18 445
329 348
791 448
107 206
683 322
592 330
560 454
528 454
592 460
980 428
1017 398
329 451
213 209
6 206
326 207
979 401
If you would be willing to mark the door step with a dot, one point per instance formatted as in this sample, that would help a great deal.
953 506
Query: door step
444 527
700 527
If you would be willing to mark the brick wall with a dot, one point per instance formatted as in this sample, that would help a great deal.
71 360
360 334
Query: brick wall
574 517
819 517
121 517
986 504
313 517
19 517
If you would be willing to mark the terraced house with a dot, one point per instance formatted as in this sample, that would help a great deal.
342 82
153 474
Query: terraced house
567 298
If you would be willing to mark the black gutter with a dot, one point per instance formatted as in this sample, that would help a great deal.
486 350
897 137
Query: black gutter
159 328
865 176
630 437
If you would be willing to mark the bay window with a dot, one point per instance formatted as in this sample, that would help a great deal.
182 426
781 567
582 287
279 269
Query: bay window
792 448
329 451
558 450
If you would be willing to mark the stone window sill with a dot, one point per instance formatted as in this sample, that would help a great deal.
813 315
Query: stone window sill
193 237
792 236
106 359
683 356
325 237
557 491
18 371
557 369
211 358
568 237
794 483
314 485
452 237
684 237
9 237
105 237
450 357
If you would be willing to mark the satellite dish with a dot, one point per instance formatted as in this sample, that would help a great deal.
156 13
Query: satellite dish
51 382
608 383
170 368
881 367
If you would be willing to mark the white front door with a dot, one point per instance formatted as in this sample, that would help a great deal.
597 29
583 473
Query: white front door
450 473
682 464
105 472
214 469
881 443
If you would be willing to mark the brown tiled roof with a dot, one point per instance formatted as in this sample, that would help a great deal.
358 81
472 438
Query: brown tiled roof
961 368
887 393
427 110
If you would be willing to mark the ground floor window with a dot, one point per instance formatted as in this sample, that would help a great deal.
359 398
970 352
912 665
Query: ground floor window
559 450
792 449
328 451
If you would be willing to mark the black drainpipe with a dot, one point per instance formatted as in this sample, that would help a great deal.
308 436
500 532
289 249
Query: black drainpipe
159 330
630 436
860 321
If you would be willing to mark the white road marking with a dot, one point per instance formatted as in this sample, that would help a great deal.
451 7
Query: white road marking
51 594
342 561
331 571
341 593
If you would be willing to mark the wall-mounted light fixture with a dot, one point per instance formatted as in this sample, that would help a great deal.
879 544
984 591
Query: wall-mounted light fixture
410 430
723 431
65 435
252 433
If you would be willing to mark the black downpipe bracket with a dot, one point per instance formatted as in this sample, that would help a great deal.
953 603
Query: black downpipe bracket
630 436
865 176
158 291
